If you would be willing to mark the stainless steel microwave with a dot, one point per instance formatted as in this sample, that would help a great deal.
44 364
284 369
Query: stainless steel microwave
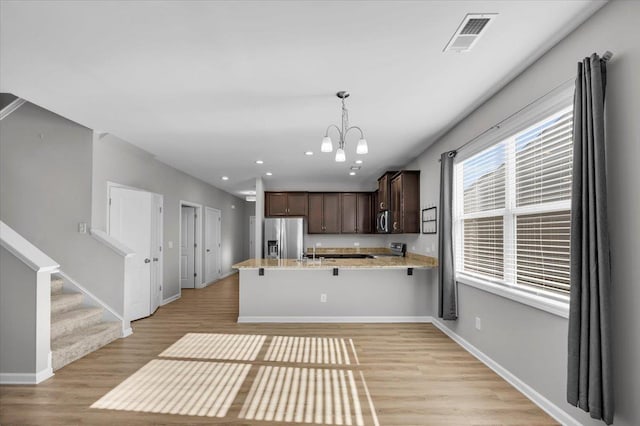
383 220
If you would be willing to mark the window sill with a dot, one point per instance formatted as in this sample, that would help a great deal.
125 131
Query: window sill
555 307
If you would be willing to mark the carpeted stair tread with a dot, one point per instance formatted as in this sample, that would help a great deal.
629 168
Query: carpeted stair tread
68 321
56 285
65 302
81 342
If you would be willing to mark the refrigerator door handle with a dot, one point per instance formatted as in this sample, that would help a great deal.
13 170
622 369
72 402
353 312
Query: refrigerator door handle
283 241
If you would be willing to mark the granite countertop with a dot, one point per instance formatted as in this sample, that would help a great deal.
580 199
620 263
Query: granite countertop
387 262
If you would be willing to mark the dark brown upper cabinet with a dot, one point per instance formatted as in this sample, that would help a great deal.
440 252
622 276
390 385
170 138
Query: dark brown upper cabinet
356 215
285 204
384 192
405 202
324 213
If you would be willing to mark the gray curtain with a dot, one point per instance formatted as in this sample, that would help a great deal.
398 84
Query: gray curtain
589 378
448 291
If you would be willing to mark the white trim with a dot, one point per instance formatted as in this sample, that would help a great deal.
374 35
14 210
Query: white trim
537 398
93 300
26 378
171 299
334 319
11 107
29 254
126 332
199 282
544 303
111 242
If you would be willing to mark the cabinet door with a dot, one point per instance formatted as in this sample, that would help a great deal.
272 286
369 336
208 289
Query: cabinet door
331 213
297 203
396 205
410 218
276 204
364 221
383 193
349 213
315 225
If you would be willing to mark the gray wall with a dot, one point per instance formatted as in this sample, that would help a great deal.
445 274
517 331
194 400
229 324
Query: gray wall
115 160
17 306
528 342
45 191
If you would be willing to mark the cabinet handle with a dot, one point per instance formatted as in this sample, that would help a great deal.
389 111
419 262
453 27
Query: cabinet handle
395 226
381 205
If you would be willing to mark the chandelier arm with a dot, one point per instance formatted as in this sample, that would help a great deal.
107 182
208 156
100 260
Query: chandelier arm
326 133
355 127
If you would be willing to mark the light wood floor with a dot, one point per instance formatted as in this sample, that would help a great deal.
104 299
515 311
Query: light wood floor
416 375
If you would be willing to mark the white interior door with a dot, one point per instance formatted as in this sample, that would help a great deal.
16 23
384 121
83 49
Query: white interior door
212 244
252 236
156 252
188 248
130 223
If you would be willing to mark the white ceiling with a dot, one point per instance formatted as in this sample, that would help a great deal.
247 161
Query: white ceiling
211 86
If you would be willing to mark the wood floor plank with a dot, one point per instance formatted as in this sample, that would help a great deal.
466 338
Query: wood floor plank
415 374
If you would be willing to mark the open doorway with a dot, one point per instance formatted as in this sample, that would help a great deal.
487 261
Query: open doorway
190 245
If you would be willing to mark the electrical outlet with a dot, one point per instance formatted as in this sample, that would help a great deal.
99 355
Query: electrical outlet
478 323
82 227
413 248
356 244
323 298
318 244
170 244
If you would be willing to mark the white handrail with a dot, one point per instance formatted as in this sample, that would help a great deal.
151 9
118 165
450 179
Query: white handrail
31 255
112 243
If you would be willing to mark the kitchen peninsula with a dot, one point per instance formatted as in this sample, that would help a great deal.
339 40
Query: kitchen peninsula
379 289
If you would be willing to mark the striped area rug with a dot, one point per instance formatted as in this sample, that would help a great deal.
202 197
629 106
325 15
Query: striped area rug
193 388
236 347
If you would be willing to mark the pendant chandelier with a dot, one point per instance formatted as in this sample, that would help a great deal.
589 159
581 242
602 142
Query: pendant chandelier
327 144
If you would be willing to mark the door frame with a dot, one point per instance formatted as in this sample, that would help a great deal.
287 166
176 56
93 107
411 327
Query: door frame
198 226
219 233
158 294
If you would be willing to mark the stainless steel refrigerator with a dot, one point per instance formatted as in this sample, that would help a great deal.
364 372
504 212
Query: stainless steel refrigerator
283 238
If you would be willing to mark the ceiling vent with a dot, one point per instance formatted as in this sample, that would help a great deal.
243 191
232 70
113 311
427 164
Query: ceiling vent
469 31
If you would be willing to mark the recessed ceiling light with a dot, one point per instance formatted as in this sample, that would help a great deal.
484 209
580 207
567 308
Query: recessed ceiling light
269 174
225 177
308 153
259 162
352 173
358 161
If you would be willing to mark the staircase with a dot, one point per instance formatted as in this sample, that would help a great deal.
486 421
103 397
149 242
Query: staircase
76 330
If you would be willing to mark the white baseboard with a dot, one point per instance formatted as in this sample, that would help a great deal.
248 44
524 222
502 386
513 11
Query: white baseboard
171 299
222 277
540 400
126 332
25 378
332 319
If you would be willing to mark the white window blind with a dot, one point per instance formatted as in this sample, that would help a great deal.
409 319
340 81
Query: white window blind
512 208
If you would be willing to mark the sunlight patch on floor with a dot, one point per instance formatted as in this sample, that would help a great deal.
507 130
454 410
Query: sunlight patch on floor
236 347
193 388
303 395
310 350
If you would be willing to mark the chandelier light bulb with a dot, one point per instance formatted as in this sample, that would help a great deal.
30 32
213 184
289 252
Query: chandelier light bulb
362 147
327 145
340 156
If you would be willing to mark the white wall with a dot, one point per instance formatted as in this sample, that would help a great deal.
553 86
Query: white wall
120 162
528 342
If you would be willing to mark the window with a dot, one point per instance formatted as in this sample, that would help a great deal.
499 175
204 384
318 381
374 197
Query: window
512 208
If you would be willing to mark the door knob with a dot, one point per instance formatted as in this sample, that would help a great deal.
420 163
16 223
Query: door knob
208 250
147 260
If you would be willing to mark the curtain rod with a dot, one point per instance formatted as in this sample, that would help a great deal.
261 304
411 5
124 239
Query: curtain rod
606 56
